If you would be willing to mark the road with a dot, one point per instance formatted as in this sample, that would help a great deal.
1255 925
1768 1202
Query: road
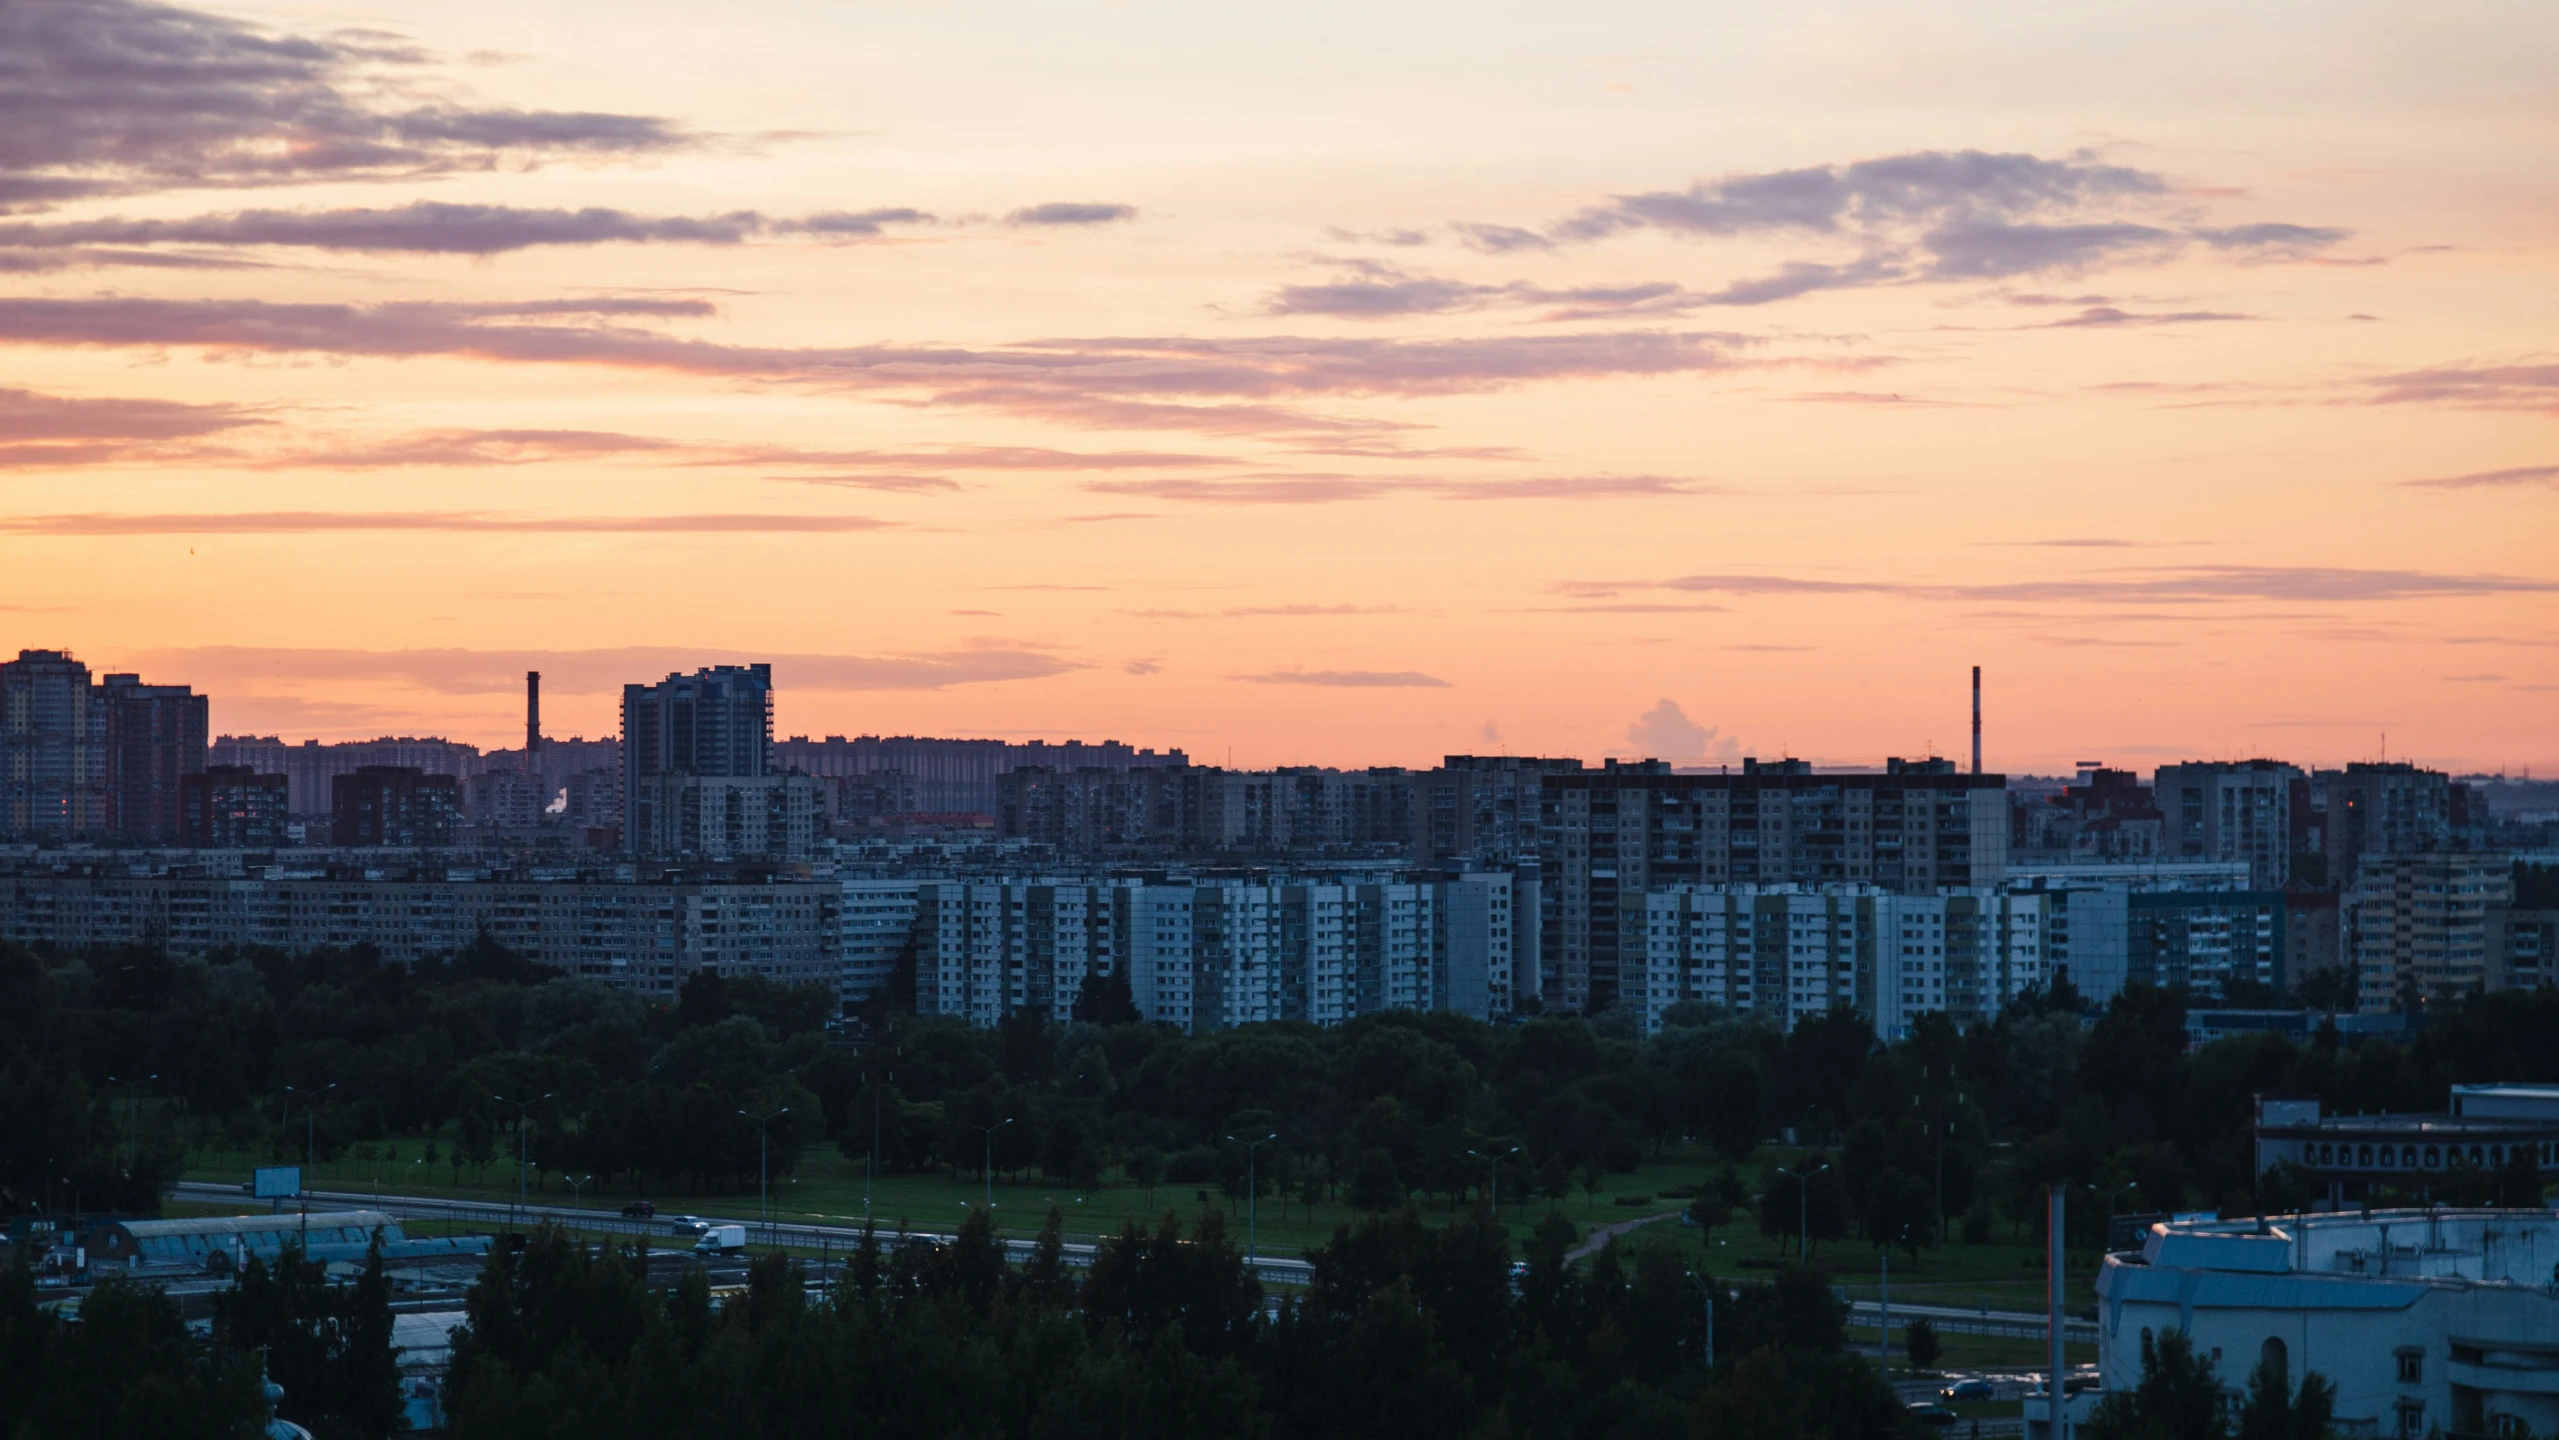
825 1239
1956 1320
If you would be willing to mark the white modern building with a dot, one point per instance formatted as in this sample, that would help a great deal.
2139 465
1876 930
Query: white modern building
2427 1321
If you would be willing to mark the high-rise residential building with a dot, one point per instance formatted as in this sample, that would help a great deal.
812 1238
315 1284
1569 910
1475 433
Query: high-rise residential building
53 763
231 807
959 776
155 736
1211 954
1484 809
1608 835
2248 810
393 805
2370 809
2107 815
2415 927
698 779
2523 948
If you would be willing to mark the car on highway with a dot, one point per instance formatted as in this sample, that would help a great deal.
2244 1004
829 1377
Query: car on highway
1929 1412
692 1224
1974 1389
640 1210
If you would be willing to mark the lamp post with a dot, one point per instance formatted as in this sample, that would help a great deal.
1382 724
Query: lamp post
989 1171
871 1180
1803 1207
577 1189
2110 1209
1494 1162
310 1150
137 1085
1252 1198
523 1115
763 1171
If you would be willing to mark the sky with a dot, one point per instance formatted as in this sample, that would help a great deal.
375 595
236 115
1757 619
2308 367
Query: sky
1306 384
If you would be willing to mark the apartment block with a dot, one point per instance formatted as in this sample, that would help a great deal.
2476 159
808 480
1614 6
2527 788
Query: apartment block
1607 836
959 776
2523 948
309 767
232 807
154 737
2233 810
725 817
2415 927
393 805
2379 809
878 924
646 935
53 764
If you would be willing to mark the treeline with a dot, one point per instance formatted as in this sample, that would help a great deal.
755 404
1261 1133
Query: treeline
1408 1330
1945 1132
285 1341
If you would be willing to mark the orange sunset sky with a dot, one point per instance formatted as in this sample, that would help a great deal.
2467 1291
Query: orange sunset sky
1311 383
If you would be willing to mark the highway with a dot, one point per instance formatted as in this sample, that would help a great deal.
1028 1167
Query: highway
826 1239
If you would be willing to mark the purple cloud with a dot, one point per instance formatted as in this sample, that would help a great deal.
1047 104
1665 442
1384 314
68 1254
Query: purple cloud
1065 212
113 96
1348 679
2519 477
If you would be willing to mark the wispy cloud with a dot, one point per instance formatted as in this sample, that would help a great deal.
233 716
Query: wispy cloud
39 430
2515 478
1348 679
1070 212
1336 489
1154 382
2530 386
599 672
429 227
114 96
2178 585
291 522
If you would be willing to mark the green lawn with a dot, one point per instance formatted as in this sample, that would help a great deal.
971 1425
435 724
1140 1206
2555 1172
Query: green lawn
830 1189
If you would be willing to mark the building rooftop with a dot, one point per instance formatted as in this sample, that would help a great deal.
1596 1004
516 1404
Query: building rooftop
2436 1246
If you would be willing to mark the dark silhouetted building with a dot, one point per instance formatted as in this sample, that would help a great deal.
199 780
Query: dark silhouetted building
232 807
155 738
393 805
52 749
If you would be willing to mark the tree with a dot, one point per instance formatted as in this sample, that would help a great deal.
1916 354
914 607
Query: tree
328 1345
1104 998
2178 1397
2272 1412
1919 1341
1375 1185
1145 1165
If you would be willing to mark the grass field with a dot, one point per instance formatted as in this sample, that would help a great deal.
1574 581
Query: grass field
829 1189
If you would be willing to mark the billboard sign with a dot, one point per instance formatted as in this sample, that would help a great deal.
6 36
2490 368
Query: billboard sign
277 1181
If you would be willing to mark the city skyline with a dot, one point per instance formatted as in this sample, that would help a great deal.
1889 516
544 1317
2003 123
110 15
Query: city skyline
1335 387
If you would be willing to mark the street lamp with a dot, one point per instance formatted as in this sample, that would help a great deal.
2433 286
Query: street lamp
137 1112
989 1171
310 1149
1495 1161
1252 1198
2110 1209
577 1189
523 1113
1803 1206
761 1169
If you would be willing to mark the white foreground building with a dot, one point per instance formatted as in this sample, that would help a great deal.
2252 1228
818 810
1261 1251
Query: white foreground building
2426 1321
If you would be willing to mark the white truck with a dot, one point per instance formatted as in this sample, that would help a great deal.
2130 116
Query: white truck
721 1240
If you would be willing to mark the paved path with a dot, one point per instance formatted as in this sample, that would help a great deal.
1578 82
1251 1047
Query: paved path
1600 1237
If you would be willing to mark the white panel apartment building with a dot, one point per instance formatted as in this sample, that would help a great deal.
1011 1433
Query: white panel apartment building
1218 954
1787 952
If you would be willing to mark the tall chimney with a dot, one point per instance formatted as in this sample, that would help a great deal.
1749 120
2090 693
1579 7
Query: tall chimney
533 722
1976 719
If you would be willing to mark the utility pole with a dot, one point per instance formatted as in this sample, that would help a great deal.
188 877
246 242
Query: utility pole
2056 1426
523 1113
310 1150
1495 1162
763 1208
137 1085
989 1171
1803 1208
1884 1316
1252 1199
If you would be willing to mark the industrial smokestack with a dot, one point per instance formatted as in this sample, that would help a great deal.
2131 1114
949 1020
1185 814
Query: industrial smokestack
1976 719
533 721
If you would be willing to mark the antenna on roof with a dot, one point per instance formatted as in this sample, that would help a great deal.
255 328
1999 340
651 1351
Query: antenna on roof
1976 719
